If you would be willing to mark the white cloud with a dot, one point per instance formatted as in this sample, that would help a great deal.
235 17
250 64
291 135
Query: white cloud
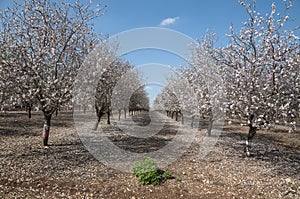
168 21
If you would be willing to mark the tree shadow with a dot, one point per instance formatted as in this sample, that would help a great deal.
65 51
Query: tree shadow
142 145
18 123
142 119
285 160
62 144
12 132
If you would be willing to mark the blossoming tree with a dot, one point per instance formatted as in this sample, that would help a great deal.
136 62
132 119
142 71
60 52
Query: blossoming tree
45 43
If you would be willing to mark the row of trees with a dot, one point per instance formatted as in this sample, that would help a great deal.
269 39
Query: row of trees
119 88
258 72
129 93
43 44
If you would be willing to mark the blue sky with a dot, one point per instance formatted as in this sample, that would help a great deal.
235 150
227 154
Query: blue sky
190 17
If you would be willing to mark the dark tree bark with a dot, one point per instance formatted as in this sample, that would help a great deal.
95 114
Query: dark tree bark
119 110
99 114
97 123
47 124
251 133
125 112
29 111
199 124
203 116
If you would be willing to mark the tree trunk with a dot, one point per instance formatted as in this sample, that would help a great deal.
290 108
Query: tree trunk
97 123
172 115
125 112
119 114
192 123
29 111
199 124
176 116
46 132
210 124
99 114
108 117
182 119
251 133
210 127
56 112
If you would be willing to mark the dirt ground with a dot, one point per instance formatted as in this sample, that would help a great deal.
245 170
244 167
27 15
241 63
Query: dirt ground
67 170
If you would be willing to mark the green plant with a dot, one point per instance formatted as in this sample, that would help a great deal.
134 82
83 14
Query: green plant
147 171
167 175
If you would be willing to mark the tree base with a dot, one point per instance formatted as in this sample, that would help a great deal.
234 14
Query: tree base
45 138
45 141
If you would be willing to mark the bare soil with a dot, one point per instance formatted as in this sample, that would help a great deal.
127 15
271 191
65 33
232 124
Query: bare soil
67 170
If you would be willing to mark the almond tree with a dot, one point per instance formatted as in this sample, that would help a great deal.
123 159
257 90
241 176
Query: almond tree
125 87
182 97
7 97
205 78
110 76
105 82
261 70
4 87
45 44
169 101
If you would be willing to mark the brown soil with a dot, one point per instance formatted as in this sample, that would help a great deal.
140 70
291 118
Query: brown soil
67 170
